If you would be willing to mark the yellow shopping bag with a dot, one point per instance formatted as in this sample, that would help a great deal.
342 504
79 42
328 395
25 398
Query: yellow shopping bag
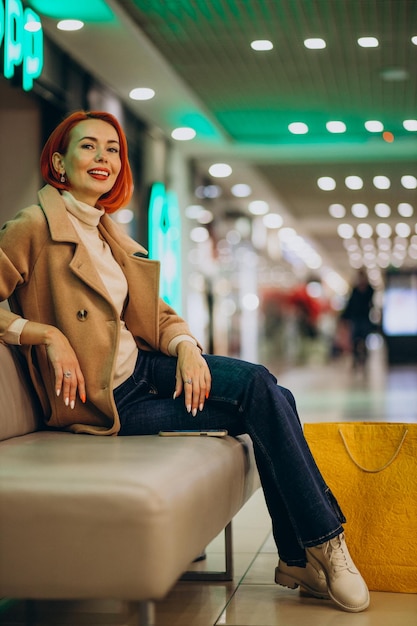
371 467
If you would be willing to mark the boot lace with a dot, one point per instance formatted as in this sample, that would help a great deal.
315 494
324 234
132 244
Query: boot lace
337 554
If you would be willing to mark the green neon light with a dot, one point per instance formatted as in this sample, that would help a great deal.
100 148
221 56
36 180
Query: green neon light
22 38
165 242
84 10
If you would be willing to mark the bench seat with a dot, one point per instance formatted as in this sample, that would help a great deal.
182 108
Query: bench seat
84 517
112 517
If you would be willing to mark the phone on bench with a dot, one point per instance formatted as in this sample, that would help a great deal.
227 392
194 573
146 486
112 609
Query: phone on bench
211 432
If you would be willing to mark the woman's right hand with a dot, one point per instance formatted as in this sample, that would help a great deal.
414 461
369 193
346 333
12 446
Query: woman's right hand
68 375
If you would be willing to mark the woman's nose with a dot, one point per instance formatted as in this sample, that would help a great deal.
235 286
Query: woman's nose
100 155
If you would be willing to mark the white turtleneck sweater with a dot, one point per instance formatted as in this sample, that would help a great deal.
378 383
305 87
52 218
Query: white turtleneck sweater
85 220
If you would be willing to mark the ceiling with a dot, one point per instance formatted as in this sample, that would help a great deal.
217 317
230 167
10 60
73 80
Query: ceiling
196 54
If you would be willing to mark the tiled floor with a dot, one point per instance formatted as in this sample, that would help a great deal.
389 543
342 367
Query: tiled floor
324 393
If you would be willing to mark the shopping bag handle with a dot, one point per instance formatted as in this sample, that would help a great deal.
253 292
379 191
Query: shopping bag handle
380 469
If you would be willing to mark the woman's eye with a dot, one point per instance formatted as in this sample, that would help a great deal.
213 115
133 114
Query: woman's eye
114 150
87 146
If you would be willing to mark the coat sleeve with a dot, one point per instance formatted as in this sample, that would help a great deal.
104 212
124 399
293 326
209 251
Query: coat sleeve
16 258
170 326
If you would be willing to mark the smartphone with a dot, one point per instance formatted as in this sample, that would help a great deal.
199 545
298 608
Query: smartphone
211 432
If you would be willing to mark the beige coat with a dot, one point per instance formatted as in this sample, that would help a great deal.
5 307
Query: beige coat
47 275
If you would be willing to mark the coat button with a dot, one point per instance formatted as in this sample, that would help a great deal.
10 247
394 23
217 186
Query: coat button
82 315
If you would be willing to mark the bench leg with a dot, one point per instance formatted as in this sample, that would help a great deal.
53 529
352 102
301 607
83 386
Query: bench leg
143 611
217 576
146 614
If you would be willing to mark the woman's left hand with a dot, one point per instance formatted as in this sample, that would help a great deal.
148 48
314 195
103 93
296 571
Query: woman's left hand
192 376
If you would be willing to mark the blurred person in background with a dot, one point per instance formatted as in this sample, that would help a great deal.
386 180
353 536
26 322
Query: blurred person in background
357 315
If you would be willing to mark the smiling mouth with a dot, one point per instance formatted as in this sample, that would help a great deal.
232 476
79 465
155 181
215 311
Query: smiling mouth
101 173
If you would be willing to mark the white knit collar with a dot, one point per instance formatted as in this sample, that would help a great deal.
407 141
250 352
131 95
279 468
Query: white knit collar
86 213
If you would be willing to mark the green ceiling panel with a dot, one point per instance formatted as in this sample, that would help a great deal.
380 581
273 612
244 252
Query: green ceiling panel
84 10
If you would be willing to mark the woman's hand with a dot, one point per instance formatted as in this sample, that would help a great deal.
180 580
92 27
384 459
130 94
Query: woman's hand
192 376
68 375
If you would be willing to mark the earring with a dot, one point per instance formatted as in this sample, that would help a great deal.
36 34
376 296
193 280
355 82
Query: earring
63 177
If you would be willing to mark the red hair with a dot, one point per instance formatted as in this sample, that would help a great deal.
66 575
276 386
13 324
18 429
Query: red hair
58 141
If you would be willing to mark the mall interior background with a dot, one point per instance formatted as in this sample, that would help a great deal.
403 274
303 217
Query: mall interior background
244 291
229 271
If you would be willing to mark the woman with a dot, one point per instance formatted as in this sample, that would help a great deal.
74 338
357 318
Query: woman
108 357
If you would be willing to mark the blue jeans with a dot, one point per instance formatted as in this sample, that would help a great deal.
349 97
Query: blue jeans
244 398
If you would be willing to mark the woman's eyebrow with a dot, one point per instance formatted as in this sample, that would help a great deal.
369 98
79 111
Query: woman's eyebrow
95 139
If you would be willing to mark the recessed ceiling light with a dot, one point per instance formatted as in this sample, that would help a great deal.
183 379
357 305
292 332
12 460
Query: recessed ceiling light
183 133
241 190
272 220
368 42
199 234
360 210
409 182
326 183
374 126
337 210
345 231
364 230
208 191
258 207
220 170
205 217
382 209
414 40
142 93
402 229
70 25
354 182
410 124
262 44
298 128
383 230
315 43
313 260
193 211
336 127
405 209
382 182
287 234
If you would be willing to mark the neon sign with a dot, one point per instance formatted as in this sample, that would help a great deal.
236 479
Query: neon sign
165 242
21 36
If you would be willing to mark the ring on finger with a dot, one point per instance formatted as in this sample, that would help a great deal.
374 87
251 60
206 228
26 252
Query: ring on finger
188 381
67 374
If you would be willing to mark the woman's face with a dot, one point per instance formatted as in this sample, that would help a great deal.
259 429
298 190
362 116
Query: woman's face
92 161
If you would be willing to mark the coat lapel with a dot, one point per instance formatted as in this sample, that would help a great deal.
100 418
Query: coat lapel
142 311
62 231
